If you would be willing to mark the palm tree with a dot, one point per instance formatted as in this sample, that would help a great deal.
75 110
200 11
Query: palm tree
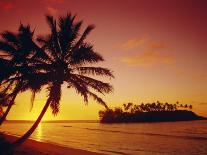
185 106
127 106
17 51
68 60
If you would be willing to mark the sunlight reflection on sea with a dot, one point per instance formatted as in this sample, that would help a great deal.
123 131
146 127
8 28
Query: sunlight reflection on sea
186 138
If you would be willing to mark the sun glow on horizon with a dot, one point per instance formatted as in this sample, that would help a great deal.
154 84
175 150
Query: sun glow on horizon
156 50
39 132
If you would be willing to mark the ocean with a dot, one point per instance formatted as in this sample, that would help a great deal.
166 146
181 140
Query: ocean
174 138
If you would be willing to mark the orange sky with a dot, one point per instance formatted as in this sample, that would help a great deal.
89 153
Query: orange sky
157 50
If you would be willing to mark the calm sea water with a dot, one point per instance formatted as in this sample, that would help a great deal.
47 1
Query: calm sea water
179 138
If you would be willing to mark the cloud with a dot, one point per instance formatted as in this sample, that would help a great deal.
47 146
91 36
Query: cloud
133 43
148 58
7 6
200 77
151 52
157 45
145 41
51 10
203 103
178 70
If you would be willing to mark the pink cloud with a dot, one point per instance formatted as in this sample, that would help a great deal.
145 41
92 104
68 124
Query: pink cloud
51 10
145 42
148 59
200 77
133 43
157 45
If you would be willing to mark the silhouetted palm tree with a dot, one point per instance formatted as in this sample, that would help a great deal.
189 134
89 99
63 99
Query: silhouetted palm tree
127 106
69 59
17 51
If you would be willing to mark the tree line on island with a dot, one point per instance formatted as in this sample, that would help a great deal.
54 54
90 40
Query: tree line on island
30 62
149 112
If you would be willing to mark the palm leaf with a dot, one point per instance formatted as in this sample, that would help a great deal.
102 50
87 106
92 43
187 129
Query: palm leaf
85 54
54 96
95 71
98 99
97 85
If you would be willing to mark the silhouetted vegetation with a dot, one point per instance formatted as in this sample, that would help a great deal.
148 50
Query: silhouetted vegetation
149 112
5 146
61 56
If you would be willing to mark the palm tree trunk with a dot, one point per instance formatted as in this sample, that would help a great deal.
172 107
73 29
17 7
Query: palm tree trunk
2 119
32 129
11 103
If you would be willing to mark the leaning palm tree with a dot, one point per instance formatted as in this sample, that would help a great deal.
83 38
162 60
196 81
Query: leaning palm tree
69 60
17 51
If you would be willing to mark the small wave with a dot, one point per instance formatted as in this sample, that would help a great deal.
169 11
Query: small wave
150 134
67 126
110 151
144 133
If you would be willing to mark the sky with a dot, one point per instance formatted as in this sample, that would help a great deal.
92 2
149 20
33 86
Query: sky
156 49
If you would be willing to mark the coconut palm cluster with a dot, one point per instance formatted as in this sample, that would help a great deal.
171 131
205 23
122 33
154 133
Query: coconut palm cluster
29 62
149 112
155 106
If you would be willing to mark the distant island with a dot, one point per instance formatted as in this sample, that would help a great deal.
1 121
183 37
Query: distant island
150 112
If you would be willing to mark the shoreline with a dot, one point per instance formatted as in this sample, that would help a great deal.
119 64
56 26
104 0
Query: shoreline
33 147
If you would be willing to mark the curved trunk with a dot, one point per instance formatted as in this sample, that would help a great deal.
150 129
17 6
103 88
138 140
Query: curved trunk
3 118
32 129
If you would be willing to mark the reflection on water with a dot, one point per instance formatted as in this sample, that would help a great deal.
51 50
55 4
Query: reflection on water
186 138
38 135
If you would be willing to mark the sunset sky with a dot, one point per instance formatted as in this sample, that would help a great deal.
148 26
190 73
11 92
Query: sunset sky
156 48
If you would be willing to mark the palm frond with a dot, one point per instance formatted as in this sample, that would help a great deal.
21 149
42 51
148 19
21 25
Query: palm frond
79 87
84 35
82 89
68 31
54 96
76 29
98 99
10 37
32 99
52 23
85 54
5 72
95 71
97 85
7 48
53 43
43 39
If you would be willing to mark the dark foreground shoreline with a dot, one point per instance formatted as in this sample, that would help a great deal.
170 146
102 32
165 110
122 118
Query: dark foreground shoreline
32 147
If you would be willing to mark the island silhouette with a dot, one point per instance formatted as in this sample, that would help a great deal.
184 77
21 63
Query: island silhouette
149 112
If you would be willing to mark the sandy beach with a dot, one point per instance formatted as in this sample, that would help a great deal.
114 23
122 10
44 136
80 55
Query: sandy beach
33 147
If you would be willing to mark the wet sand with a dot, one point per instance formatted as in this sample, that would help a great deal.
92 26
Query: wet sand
32 147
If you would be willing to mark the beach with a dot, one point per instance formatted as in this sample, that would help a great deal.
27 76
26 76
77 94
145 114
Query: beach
33 147
186 137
